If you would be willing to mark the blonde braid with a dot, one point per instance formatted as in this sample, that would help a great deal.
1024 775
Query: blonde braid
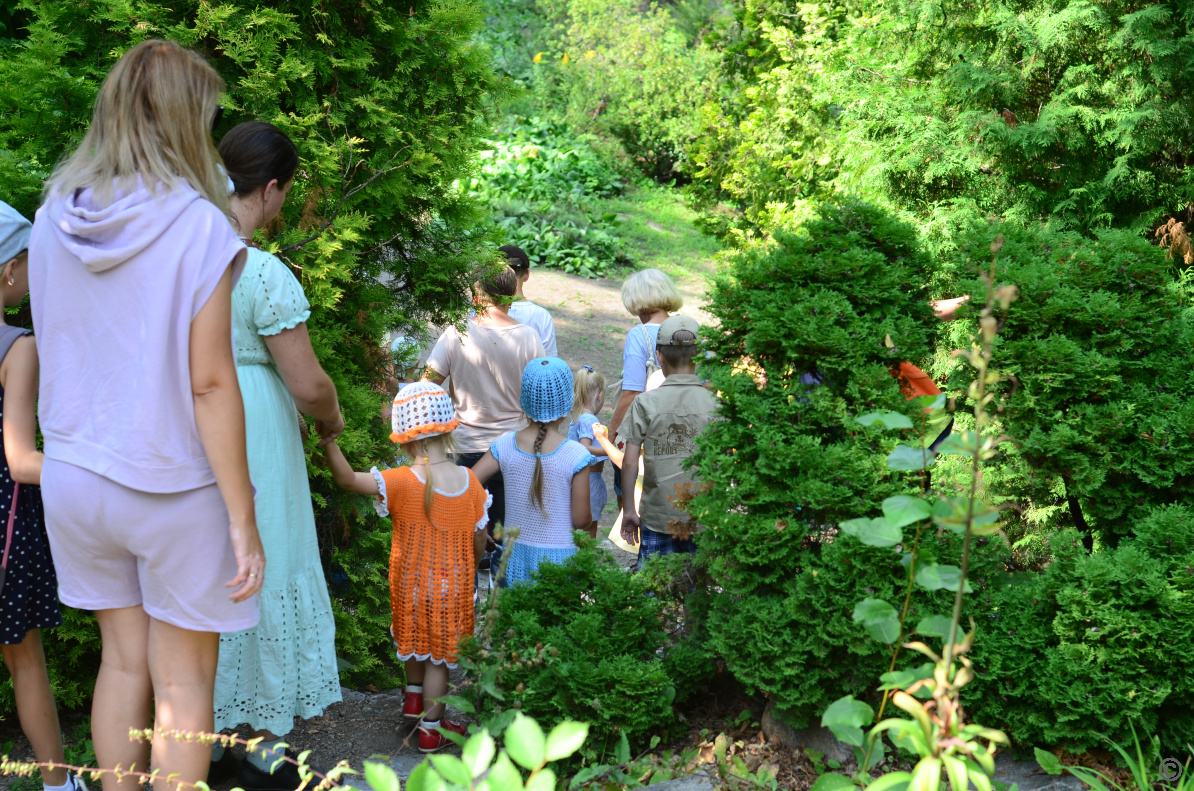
537 477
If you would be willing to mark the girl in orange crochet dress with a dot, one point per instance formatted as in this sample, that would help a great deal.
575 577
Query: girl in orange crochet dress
439 513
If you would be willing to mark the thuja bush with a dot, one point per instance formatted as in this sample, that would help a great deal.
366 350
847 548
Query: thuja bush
587 642
809 326
1094 643
386 103
1101 409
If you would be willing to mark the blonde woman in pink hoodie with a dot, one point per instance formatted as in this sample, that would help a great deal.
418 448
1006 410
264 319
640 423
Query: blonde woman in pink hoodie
148 503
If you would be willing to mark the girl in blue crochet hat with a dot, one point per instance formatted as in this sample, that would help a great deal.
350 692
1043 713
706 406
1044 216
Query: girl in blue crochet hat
546 475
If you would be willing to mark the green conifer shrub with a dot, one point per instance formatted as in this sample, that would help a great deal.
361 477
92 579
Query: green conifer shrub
1102 351
387 104
586 641
1095 643
1062 110
787 462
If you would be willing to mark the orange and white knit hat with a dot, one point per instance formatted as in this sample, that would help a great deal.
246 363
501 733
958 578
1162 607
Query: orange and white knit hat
421 410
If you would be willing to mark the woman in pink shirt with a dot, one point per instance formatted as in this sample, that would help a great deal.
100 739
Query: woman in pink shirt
148 503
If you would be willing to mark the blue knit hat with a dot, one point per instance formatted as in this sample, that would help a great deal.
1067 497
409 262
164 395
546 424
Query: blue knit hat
14 232
546 389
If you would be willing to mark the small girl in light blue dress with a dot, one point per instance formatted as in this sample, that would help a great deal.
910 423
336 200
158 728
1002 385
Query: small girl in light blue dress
588 398
546 475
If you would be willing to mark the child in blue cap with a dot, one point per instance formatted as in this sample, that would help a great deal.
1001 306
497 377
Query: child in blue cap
546 475
28 584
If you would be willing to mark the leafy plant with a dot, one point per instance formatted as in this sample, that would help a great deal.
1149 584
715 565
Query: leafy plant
935 732
1056 111
584 641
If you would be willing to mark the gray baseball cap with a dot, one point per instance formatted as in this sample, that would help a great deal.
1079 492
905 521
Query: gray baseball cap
14 232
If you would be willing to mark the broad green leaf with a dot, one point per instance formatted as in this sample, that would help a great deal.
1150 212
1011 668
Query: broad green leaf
905 510
902 679
955 770
458 703
939 576
381 777
932 401
1047 761
585 775
622 750
543 780
926 776
525 742
892 781
846 717
934 625
425 778
964 442
875 532
879 618
906 457
478 752
565 739
452 769
831 781
888 419
503 776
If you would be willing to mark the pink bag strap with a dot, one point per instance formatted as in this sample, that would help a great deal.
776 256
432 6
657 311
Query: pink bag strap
12 515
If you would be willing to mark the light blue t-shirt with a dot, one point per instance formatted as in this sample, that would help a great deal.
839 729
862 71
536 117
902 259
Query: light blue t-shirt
638 351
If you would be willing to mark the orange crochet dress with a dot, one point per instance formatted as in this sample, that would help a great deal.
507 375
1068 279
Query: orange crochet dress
432 570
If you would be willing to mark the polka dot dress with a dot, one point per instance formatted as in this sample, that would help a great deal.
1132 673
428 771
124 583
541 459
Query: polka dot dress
30 596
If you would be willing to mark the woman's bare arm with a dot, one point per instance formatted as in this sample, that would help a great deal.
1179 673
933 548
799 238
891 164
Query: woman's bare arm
18 376
308 383
345 476
624 402
582 512
220 418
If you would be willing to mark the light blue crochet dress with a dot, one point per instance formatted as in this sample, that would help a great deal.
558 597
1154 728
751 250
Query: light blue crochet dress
286 666
540 538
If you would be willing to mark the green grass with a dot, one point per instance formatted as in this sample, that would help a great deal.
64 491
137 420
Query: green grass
658 227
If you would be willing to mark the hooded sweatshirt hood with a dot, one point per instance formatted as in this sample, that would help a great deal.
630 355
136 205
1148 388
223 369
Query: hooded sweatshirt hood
104 237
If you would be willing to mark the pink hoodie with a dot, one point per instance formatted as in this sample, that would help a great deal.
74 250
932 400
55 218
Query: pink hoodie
114 290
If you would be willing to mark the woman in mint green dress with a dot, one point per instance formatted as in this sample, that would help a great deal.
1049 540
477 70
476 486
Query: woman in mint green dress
286 666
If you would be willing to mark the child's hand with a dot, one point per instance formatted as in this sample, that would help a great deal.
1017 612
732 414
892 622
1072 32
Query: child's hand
599 429
631 526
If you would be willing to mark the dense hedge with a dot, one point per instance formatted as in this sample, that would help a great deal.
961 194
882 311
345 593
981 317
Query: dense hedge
799 350
1101 408
1094 643
586 641
387 106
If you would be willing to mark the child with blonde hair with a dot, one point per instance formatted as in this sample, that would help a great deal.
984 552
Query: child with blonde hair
546 475
588 397
439 512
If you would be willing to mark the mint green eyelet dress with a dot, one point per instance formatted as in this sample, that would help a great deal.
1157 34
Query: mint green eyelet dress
286 666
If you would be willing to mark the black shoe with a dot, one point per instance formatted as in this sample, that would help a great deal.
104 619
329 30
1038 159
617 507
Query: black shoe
485 559
222 770
284 778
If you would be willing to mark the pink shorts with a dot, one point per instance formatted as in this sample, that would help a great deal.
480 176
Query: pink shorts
117 547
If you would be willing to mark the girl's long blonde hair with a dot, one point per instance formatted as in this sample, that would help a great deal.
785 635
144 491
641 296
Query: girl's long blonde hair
152 118
588 392
418 450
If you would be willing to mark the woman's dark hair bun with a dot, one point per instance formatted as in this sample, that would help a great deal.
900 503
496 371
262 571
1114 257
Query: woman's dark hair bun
256 153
